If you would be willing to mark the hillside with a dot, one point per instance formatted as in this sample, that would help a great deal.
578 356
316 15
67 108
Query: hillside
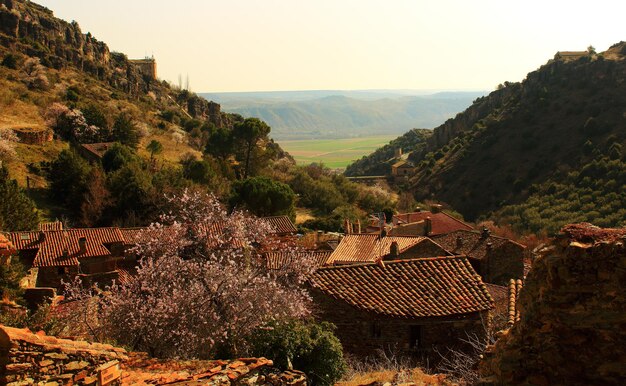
537 154
315 115
380 161
47 62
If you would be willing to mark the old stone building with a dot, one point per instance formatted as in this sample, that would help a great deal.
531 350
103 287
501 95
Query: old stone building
56 255
496 259
369 248
412 307
146 66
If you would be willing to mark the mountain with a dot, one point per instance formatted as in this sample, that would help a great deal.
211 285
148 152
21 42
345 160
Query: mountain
344 114
537 154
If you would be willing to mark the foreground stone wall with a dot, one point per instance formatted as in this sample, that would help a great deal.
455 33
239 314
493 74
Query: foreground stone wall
572 327
27 358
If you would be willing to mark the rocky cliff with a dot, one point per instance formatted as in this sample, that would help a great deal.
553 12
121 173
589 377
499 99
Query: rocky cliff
32 30
572 329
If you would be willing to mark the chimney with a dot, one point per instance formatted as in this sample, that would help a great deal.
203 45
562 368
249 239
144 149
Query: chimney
317 238
358 226
436 208
459 242
485 233
418 209
394 250
428 226
82 245
397 152
42 236
489 246
346 225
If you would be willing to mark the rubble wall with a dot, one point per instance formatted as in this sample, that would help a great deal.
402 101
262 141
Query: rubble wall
27 358
572 327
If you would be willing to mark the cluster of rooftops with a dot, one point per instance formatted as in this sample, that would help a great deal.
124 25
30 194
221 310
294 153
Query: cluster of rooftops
423 264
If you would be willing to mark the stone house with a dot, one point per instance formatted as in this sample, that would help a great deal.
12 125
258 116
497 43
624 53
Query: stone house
402 169
495 259
412 307
369 248
93 152
56 255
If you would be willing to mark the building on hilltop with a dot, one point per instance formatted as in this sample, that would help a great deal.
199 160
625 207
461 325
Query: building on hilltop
570 55
496 259
413 306
146 66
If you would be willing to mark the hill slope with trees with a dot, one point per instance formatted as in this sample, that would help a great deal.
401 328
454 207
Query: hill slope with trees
536 154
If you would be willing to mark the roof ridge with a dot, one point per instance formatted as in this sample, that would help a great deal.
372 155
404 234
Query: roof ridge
392 262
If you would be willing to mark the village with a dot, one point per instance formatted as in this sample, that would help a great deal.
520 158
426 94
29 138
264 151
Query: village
418 283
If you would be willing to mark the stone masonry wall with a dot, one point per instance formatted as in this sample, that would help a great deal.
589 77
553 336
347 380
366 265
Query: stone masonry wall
27 359
572 327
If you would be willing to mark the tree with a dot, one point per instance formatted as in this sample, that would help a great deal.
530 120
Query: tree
125 131
69 179
263 196
248 133
220 143
17 211
95 200
200 287
199 171
117 156
95 117
309 347
10 61
154 147
7 145
132 190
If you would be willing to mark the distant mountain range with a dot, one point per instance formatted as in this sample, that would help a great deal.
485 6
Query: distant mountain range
343 114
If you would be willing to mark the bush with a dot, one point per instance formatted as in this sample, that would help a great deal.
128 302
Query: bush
309 347
10 61
17 211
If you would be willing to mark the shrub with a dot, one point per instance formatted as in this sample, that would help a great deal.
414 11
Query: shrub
17 211
307 346
10 61
264 197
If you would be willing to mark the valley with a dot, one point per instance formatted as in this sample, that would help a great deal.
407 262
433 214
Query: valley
333 153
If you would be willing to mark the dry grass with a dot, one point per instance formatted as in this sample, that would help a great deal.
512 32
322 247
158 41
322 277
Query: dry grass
394 377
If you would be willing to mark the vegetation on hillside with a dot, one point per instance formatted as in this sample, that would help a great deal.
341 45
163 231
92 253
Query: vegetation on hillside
379 162
527 150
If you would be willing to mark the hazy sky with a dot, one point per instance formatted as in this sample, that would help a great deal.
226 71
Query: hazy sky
262 45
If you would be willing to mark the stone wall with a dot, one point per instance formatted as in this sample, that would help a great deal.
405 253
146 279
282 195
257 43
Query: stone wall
504 263
572 325
363 334
34 137
27 358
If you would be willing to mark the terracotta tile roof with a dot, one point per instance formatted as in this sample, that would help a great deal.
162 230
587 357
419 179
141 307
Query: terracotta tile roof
51 226
433 287
282 224
97 149
61 248
6 246
402 164
441 222
275 260
473 244
365 247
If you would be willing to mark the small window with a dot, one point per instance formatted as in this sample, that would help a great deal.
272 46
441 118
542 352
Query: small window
375 330
415 336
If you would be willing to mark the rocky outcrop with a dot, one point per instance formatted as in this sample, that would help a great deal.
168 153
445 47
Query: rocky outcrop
32 30
27 359
572 327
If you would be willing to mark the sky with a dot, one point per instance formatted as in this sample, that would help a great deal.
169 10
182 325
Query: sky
270 45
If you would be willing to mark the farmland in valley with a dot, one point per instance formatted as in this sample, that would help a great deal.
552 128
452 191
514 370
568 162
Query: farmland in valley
334 153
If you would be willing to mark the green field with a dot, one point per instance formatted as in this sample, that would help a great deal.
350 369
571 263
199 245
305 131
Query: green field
334 153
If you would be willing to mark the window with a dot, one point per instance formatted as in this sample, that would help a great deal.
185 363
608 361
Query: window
415 336
375 330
